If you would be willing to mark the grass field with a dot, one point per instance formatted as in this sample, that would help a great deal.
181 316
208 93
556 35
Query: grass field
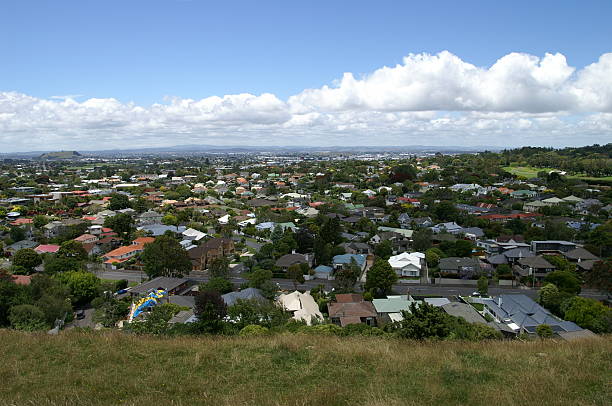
79 368
531 172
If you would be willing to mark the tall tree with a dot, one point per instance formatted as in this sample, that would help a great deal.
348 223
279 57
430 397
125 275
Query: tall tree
166 257
380 277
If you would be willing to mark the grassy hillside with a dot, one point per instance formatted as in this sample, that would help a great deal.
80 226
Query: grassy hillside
111 369
60 155
529 172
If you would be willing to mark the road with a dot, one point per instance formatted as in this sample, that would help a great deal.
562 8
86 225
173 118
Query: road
285 284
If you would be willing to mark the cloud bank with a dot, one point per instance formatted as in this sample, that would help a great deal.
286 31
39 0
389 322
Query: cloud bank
428 99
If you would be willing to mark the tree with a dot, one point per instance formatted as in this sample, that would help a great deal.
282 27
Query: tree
57 264
446 211
209 306
463 248
156 321
17 234
27 317
432 257
347 276
120 223
166 257
27 258
421 239
250 312
544 331
423 321
39 221
331 231
401 173
72 249
170 220
384 249
564 280
588 313
295 273
83 285
258 277
380 277
219 268
217 284
600 276
118 201
483 285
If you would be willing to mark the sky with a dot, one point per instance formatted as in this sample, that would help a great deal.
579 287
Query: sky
111 74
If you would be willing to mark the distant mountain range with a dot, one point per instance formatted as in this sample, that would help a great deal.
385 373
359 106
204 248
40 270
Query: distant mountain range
217 149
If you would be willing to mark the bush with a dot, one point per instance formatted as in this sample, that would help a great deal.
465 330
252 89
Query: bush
253 330
27 317
324 329
544 331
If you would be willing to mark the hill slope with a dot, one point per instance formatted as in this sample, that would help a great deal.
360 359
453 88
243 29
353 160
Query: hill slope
60 155
111 368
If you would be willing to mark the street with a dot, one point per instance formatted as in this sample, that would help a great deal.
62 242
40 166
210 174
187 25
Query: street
286 284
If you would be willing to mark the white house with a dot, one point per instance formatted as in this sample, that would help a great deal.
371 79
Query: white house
408 263
301 305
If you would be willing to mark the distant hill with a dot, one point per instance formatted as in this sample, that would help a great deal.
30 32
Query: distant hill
60 155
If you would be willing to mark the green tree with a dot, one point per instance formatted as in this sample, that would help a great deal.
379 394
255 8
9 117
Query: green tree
27 317
588 313
600 276
166 257
39 221
249 312
258 277
421 240
384 249
121 223
72 249
347 276
565 281
544 331
170 220
380 277
156 321
423 321
219 268
27 258
209 306
83 285
295 273
432 257
118 201
483 285
220 285
17 234
463 248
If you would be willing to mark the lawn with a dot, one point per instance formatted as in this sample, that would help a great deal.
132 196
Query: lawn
81 368
531 172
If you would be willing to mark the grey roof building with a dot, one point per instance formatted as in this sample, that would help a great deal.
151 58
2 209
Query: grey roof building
246 294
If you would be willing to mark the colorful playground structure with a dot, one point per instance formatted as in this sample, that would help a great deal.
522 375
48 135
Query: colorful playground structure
145 302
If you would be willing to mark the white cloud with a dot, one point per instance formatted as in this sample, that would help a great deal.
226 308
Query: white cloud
428 99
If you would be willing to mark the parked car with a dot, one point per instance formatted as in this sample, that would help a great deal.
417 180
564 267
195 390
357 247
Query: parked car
80 314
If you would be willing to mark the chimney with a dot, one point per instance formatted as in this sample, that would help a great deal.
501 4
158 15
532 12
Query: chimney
499 301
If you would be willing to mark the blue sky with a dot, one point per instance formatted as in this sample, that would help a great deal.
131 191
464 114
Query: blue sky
142 51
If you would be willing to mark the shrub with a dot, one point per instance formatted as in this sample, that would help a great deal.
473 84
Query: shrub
27 317
253 330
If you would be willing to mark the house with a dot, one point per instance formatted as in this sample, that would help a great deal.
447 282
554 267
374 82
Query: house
408 264
122 254
524 194
552 247
11 249
357 248
533 266
86 238
344 260
465 268
450 227
473 233
579 254
245 294
193 234
323 272
287 260
173 286
202 255
534 206
160 229
523 315
47 249
302 306
390 309
350 308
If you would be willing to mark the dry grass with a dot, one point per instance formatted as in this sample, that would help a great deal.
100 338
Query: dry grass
112 369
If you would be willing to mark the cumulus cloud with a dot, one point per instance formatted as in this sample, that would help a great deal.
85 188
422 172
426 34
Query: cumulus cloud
428 99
